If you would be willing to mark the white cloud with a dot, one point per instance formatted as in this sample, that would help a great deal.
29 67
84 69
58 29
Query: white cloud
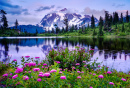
96 13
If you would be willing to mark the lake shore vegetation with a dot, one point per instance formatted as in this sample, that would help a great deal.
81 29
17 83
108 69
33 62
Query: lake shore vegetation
62 68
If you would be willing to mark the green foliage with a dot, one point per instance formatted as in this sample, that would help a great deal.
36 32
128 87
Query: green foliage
123 29
122 34
127 17
92 22
100 33
68 58
85 77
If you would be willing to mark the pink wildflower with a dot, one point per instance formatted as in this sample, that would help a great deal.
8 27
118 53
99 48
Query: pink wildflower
40 75
18 83
36 69
84 61
46 67
90 87
40 72
14 77
73 67
47 74
37 57
44 64
111 83
19 70
39 79
94 74
5 75
79 77
60 72
85 65
29 71
78 71
53 70
63 77
90 73
100 76
123 79
99 66
82 72
25 77
109 72
31 64
57 62
11 74
27 56
14 60
77 64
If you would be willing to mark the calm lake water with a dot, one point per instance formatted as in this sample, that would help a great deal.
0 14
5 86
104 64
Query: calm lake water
115 53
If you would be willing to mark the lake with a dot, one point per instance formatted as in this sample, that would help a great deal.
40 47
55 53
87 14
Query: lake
114 53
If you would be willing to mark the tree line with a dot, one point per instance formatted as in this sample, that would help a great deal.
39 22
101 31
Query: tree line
104 24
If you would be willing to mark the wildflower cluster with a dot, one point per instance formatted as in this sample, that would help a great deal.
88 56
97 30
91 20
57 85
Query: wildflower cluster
54 75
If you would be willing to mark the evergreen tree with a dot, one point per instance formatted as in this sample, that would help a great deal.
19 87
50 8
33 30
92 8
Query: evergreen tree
62 30
100 21
115 18
94 33
52 30
127 17
66 23
72 28
76 28
107 24
55 27
92 22
88 26
111 19
2 12
100 31
121 20
57 30
36 31
16 24
5 22
123 29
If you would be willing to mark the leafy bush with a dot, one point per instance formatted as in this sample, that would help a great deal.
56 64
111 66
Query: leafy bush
122 34
36 74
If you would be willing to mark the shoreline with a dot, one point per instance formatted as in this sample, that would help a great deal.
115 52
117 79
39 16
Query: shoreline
113 36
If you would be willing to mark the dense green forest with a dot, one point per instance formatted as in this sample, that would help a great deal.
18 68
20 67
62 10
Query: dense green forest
111 25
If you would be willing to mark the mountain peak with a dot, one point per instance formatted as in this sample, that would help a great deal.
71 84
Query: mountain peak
63 10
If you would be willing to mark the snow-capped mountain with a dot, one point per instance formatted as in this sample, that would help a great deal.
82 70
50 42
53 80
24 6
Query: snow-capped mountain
51 19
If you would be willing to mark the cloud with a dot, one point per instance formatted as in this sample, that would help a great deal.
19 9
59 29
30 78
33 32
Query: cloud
23 19
12 9
96 13
42 8
118 5
122 11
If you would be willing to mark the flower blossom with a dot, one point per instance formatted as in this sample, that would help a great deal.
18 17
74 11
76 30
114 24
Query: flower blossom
100 76
111 83
19 70
14 77
25 77
36 69
63 77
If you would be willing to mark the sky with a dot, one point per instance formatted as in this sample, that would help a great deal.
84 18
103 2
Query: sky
32 11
